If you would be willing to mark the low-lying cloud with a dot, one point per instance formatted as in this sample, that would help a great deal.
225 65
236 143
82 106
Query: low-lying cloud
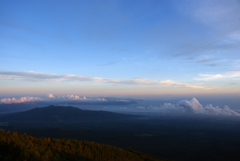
192 106
195 107
36 77
20 100
75 97
50 96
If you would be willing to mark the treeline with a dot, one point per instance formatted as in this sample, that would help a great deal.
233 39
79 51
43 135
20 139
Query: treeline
23 147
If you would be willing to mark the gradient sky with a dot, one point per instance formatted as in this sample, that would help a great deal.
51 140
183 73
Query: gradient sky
119 47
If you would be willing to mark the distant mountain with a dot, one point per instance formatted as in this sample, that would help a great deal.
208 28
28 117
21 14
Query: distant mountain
19 107
61 114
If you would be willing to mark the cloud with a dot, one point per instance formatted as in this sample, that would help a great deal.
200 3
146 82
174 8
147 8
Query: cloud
101 99
209 77
208 45
220 14
193 106
164 107
212 65
75 97
168 106
20 100
50 96
220 21
141 107
209 109
35 76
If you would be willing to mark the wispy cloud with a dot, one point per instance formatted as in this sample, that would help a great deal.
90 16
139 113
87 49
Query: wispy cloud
210 77
210 45
220 14
35 76
204 59
207 60
221 22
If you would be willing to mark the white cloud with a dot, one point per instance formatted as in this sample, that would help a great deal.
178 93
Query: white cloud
141 107
20 100
195 107
75 97
35 76
80 98
192 105
50 96
101 99
209 77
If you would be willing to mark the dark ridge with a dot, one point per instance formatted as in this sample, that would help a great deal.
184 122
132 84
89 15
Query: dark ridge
61 114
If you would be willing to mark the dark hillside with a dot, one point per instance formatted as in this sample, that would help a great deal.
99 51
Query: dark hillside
21 147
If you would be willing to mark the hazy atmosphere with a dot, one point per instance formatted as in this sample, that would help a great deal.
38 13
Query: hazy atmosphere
161 70
137 49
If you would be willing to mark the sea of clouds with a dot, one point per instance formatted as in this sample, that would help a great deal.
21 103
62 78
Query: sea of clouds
192 106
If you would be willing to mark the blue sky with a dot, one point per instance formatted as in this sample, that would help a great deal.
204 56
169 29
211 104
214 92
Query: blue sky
119 47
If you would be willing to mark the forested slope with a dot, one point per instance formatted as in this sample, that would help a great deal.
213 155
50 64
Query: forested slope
21 147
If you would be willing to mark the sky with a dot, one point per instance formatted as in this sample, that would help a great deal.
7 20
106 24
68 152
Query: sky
119 48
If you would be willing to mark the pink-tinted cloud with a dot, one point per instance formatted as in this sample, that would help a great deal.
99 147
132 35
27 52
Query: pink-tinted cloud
20 100
50 96
75 97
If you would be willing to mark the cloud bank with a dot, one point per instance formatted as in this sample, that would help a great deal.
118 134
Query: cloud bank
36 77
20 100
193 106
51 97
75 97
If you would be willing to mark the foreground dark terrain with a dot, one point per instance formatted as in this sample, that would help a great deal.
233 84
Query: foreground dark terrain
192 137
20 147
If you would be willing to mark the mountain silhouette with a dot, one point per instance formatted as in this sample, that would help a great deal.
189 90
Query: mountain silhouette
65 114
